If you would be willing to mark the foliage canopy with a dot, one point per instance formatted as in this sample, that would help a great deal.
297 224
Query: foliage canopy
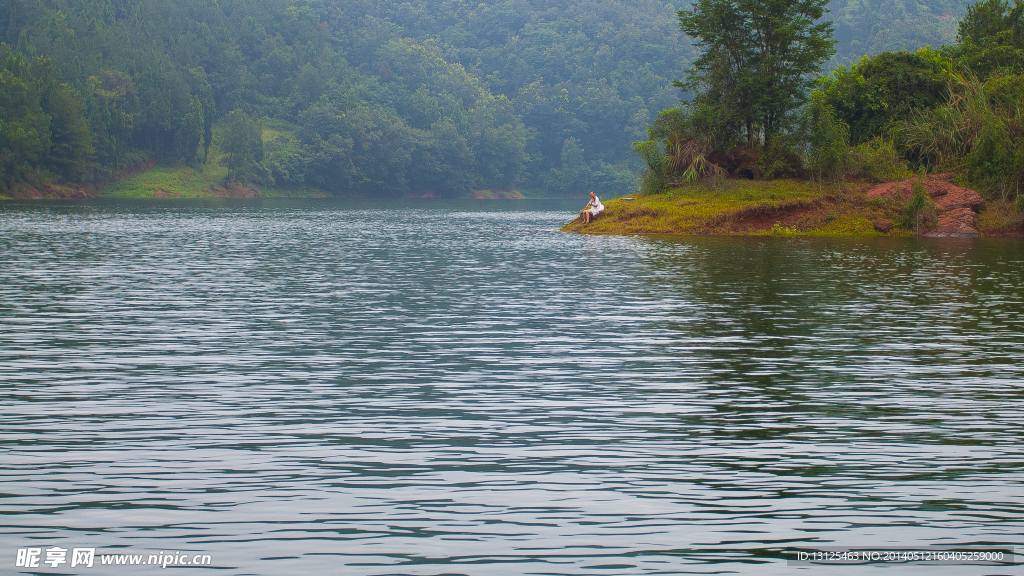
756 58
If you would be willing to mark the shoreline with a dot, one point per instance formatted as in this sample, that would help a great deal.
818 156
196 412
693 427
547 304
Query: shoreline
802 208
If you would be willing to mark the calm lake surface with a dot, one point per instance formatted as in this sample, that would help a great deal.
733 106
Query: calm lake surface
315 388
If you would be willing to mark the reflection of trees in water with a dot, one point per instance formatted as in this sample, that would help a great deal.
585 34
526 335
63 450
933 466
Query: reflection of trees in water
783 331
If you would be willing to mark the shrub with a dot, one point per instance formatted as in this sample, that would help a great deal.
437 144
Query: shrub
918 206
979 132
654 180
681 144
877 160
690 137
828 139
778 159
780 230
884 88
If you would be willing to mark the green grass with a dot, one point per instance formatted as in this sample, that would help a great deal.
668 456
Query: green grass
776 208
204 180
274 128
1001 217
173 180
697 209
846 225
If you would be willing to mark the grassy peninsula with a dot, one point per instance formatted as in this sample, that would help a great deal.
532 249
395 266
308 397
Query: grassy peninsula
795 207
738 207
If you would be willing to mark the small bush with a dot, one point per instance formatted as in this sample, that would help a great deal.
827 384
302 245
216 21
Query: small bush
780 230
779 160
688 137
654 180
828 140
919 206
979 133
877 160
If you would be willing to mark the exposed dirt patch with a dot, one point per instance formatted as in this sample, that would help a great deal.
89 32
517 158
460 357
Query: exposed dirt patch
234 189
49 192
497 195
161 193
946 195
882 226
799 215
21 192
244 192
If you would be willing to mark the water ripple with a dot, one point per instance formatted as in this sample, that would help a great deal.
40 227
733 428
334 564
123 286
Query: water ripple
307 388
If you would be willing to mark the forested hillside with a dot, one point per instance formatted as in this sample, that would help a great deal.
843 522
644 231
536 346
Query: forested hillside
376 97
868 27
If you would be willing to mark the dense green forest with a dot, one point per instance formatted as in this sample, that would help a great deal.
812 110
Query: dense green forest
382 98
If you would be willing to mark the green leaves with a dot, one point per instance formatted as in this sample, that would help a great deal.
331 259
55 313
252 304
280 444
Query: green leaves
43 129
828 139
883 89
242 143
991 38
756 57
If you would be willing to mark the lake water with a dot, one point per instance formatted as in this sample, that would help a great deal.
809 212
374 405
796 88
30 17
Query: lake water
314 388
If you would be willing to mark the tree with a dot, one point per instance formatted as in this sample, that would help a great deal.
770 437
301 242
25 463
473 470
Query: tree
113 105
575 172
991 37
189 136
757 58
70 139
24 129
242 143
993 19
882 89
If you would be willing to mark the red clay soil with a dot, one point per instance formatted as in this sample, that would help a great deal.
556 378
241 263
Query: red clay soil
759 218
49 192
235 190
497 195
957 207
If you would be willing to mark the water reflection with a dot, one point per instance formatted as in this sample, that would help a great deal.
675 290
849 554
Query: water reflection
303 388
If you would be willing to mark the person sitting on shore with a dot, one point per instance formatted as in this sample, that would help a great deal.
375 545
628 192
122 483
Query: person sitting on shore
594 207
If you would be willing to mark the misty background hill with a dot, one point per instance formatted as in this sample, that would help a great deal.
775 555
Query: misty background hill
387 97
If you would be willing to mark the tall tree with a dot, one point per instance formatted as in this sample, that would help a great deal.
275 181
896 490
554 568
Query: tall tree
757 57
993 20
991 37
242 143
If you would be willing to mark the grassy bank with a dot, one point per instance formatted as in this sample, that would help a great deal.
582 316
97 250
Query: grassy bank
780 207
205 180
